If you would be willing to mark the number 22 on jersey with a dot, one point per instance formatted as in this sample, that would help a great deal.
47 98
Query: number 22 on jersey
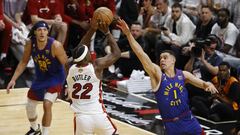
86 88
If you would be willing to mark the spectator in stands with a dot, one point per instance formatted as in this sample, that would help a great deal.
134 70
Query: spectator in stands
177 31
13 11
105 3
145 13
129 61
225 104
80 12
50 12
128 11
5 36
157 20
206 3
203 29
191 8
205 24
235 12
236 48
203 63
226 30
218 4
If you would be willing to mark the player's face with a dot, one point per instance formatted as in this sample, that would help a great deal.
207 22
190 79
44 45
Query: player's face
41 34
166 61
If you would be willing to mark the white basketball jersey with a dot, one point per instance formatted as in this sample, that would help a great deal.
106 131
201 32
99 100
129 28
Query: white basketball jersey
85 90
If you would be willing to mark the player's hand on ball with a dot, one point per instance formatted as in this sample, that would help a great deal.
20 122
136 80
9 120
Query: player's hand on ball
123 26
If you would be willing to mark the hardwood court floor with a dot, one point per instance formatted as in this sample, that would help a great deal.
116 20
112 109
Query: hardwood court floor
13 119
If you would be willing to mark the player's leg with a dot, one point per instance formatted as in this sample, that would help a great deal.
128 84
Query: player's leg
32 117
84 124
49 99
104 124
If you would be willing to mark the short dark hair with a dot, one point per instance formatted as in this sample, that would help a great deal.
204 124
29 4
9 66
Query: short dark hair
136 23
206 6
225 10
170 52
177 5
224 63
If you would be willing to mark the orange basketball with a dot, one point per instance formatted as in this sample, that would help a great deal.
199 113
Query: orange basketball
103 14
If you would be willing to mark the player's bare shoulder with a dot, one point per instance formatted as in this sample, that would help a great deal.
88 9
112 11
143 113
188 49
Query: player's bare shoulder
57 48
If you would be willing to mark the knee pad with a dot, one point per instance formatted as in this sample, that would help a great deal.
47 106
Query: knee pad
31 108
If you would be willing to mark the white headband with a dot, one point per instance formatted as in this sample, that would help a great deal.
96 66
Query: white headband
81 57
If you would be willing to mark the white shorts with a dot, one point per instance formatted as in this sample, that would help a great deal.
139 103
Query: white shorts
100 124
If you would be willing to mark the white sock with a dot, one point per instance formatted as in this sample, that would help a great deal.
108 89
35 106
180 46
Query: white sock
34 125
45 130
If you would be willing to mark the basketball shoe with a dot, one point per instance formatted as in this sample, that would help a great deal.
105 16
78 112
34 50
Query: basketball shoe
34 132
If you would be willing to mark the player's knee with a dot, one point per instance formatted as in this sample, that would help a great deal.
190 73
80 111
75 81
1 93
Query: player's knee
31 109
47 106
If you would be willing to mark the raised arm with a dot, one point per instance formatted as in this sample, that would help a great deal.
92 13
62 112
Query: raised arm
110 58
86 40
152 69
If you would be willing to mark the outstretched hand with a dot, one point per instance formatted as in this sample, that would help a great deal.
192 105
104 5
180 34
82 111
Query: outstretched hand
10 85
211 88
123 26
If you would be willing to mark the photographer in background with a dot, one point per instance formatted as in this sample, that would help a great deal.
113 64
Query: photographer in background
225 104
204 61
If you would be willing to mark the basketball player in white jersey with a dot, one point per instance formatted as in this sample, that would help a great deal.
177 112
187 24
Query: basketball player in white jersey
84 85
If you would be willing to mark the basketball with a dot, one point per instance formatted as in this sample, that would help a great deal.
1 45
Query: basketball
103 14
